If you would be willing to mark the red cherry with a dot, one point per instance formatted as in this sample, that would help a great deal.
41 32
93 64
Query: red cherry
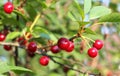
55 49
98 44
71 47
7 47
2 37
63 43
5 32
44 60
22 41
92 52
30 54
32 47
65 69
8 7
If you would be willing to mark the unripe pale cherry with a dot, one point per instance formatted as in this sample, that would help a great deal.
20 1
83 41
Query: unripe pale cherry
63 43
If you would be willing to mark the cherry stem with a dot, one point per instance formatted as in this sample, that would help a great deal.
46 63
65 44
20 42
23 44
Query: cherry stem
86 41
89 39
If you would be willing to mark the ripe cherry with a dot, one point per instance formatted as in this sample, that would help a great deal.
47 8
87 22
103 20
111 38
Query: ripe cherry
65 69
5 32
30 54
92 52
44 60
55 49
71 47
22 41
98 44
8 7
2 37
63 43
32 47
7 47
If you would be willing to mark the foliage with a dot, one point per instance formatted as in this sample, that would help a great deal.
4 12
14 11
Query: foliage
47 21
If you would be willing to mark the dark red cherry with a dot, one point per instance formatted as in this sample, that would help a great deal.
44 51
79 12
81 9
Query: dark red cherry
22 41
55 49
32 47
7 47
71 47
63 43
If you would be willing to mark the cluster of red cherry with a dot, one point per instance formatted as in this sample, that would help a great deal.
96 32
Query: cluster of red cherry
62 44
97 45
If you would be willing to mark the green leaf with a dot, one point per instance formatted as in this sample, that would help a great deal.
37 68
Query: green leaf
113 17
39 31
71 16
89 31
19 13
4 67
87 6
83 23
20 69
99 11
2 75
32 13
79 9
10 21
12 35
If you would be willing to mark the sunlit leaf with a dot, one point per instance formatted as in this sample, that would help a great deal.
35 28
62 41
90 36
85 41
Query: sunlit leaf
87 5
99 11
113 17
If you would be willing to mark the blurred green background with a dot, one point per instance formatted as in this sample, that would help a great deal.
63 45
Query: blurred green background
56 22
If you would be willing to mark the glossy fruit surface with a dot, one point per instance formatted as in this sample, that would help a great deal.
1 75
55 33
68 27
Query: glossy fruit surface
98 44
92 52
8 7
63 43
7 47
32 47
44 60
71 47
55 49
2 37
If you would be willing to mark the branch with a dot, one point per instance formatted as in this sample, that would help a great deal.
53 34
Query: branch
11 44
51 57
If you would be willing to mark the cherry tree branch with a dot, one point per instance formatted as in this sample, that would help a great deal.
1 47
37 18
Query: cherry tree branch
51 57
